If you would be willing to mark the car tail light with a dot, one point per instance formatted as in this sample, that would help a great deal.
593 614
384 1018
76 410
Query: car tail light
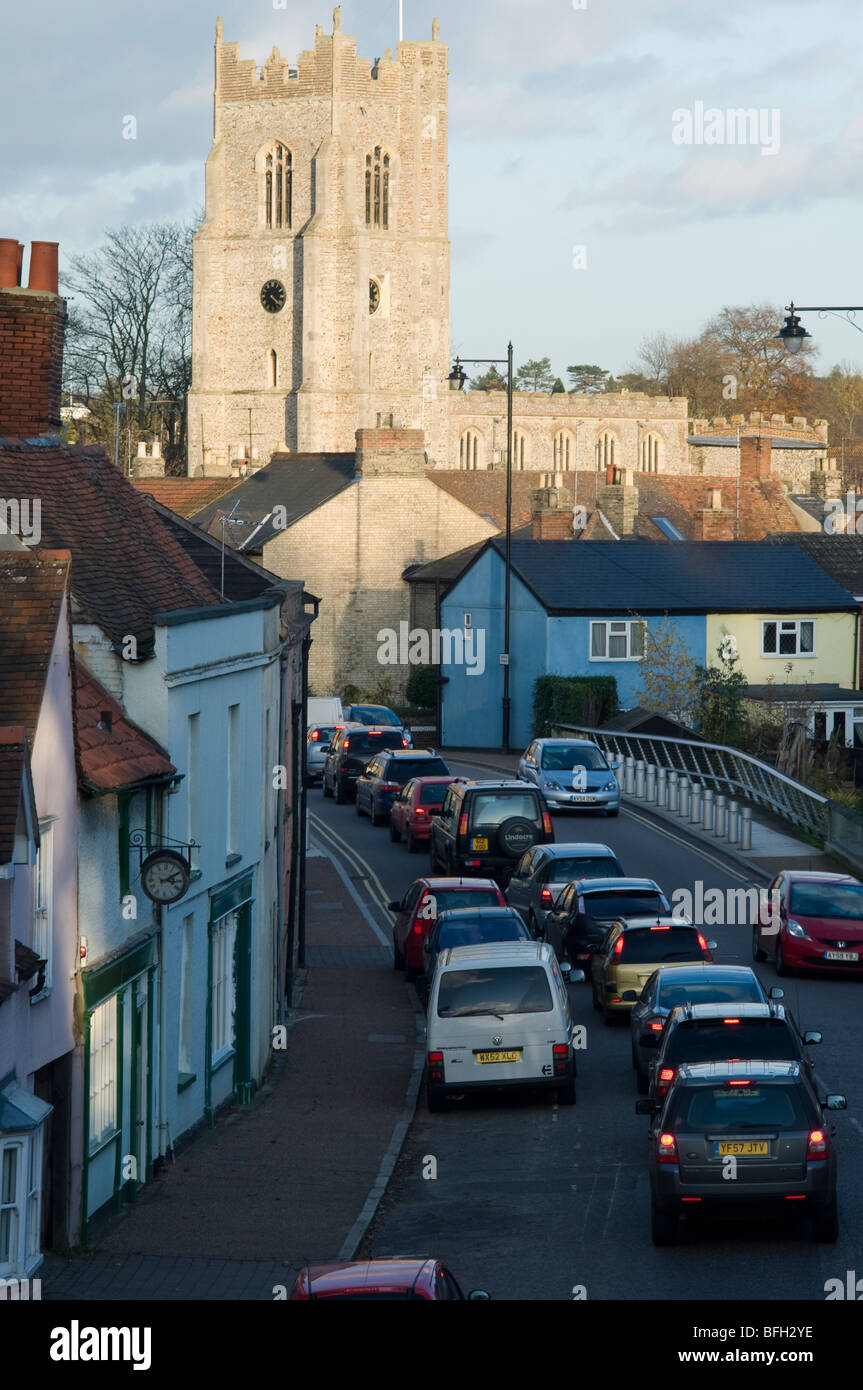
347 743
660 928
316 733
817 1145
560 1052
731 1020
374 733
739 1083
656 1025
618 946
546 896
701 941
435 1062
667 1074
666 1149
419 812
462 823
546 823
405 743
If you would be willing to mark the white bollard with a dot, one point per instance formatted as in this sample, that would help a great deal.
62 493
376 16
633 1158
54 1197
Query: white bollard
629 775
719 828
708 808
661 786
672 791
746 827
639 779
695 804
683 795
733 822
650 783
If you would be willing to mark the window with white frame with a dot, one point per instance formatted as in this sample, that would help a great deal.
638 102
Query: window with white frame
43 898
791 637
103 1072
223 995
11 1214
617 641
20 1202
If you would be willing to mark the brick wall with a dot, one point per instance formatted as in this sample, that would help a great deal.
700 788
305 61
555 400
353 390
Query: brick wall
32 325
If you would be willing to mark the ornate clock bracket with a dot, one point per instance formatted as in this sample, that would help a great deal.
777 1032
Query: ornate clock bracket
146 842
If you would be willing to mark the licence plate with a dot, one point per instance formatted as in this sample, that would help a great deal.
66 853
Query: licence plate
747 1148
477 845
582 796
485 1057
841 955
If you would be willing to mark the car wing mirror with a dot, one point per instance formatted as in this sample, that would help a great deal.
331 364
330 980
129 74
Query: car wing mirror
711 946
394 907
835 1103
629 996
478 1296
776 993
811 1038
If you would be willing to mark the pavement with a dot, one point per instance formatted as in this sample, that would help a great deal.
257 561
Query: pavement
295 1177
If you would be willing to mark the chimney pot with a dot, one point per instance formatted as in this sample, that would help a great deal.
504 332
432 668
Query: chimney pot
43 266
8 262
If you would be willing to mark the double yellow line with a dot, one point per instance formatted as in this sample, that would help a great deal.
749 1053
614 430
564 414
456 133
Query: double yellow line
373 885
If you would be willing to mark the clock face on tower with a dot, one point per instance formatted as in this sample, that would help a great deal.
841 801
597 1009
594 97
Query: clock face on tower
273 296
374 296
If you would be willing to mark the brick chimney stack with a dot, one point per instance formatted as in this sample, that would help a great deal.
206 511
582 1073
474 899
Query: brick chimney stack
755 456
618 501
32 328
713 522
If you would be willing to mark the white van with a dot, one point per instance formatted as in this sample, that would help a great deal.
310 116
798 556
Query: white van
499 1016
322 709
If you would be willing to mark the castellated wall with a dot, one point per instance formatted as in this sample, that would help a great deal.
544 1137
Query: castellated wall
627 417
792 466
338 366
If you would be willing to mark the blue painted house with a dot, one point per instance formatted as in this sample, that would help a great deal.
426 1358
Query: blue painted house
577 609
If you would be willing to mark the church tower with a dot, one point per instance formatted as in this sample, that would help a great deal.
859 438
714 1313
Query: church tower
321 269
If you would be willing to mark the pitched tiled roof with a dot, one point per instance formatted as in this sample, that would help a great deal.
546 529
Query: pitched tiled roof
13 753
243 578
840 556
126 564
185 496
298 482
32 586
114 757
678 496
605 577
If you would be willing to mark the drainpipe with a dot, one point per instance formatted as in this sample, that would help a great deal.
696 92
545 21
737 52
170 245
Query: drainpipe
302 827
284 658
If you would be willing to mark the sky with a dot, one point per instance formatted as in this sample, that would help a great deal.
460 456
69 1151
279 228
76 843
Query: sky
589 205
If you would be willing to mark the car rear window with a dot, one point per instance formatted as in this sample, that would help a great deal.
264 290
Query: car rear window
636 904
567 759
493 808
357 742
604 866
405 770
446 898
709 992
708 1040
728 1108
375 715
481 932
841 900
517 989
648 945
324 735
433 794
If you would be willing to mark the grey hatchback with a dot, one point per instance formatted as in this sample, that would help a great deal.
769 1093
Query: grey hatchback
543 872
758 1122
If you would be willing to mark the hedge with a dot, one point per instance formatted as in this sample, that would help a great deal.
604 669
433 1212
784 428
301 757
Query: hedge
588 700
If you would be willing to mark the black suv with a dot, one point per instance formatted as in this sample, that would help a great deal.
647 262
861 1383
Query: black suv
484 828
352 748
718 1032
578 923
741 1138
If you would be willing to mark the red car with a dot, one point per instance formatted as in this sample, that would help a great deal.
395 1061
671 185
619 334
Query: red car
413 808
819 924
427 1280
418 911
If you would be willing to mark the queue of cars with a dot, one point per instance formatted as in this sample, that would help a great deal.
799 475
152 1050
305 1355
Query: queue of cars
507 917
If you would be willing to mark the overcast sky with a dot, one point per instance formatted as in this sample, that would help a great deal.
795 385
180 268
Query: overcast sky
561 136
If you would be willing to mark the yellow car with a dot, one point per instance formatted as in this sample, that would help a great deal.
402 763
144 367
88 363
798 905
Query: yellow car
631 952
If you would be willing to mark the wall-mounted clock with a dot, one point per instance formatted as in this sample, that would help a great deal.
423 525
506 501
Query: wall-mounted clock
273 296
374 296
165 876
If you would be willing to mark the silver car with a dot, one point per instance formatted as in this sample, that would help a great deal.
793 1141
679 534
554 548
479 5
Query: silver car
572 773
543 873
318 740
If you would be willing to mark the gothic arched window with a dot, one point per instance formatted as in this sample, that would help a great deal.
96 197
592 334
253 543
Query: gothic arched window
469 450
273 368
278 186
605 450
650 453
378 189
564 451
519 449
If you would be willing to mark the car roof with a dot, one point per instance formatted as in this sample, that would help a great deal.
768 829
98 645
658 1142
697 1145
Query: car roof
662 919
399 1274
577 850
697 969
814 876
498 953
599 885
471 784
413 753
696 1011
721 1071
567 742
461 914
463 882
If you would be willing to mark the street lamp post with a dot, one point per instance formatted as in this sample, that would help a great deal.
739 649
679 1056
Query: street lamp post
457 379
793 334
